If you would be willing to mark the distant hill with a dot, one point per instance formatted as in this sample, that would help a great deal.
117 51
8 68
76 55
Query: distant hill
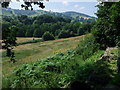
72 15
10 12
78 16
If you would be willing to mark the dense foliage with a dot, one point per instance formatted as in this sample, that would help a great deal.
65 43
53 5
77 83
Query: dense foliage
88 46
106 29
37 26
47 36
9 40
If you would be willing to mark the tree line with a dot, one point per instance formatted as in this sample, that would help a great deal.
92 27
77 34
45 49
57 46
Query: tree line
37 26
45 26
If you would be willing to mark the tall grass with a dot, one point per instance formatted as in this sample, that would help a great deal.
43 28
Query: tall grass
30 41
57 71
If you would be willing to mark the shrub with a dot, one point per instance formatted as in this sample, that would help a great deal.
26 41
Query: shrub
63 34
48 36
87 47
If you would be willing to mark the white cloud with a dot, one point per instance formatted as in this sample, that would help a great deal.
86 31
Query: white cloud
55 10
81 8
52 10
76 6
46 9
65 3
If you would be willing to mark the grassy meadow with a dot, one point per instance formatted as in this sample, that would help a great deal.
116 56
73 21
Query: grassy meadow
25 39
31 52
57 63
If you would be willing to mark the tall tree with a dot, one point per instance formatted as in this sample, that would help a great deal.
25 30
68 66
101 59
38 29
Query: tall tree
115 18
9 39
106 30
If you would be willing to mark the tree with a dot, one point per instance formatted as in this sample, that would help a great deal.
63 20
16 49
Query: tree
106 29
115 18
29 31
57 32
81 31
21 31
47 36
64 34
72 34
9 39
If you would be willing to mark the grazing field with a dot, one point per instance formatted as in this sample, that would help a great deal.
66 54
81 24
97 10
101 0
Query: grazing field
32 52
24 39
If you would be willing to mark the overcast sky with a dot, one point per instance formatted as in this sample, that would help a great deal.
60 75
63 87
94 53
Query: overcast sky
82 6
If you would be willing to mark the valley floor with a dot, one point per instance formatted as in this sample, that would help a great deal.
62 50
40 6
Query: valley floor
32 52
97 69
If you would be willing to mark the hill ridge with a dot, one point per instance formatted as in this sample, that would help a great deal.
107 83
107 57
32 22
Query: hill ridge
76 16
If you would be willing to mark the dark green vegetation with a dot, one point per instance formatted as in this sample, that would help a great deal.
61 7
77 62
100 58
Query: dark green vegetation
48 36
9 39
87 64
106 29
38 25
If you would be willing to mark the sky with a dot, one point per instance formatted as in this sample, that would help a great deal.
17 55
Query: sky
81 6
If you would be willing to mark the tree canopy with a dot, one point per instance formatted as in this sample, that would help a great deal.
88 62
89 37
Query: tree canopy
106 29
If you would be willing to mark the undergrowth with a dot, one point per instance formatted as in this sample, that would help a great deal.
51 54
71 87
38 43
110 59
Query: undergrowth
63 68
58 70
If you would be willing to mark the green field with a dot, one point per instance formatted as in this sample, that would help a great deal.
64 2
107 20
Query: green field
57 63
28 53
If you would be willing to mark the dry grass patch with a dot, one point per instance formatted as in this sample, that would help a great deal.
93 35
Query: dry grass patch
32 52
24 39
